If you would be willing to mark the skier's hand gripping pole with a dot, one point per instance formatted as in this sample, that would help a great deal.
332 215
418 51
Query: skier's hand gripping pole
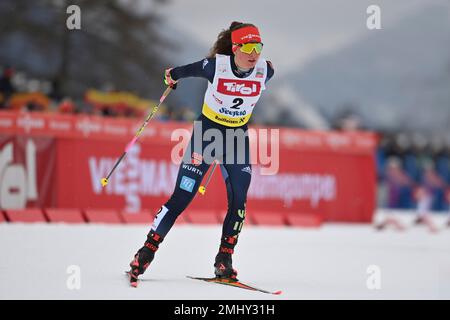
104 181
202 188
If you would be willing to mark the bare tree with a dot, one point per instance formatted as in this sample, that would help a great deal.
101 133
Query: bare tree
118 43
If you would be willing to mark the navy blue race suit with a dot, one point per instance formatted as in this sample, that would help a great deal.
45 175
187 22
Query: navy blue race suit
237 175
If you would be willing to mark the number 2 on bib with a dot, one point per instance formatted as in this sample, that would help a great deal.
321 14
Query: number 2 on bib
237 102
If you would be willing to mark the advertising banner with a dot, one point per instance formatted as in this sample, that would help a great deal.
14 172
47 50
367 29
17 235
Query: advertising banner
59 160
27 167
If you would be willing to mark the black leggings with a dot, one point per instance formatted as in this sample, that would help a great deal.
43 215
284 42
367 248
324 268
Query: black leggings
236 170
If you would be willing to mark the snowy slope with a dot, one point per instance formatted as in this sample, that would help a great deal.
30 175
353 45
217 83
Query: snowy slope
327 263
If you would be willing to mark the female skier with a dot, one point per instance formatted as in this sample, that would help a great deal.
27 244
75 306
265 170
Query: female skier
237 75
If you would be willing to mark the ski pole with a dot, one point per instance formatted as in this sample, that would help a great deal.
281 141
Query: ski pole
104 181
202 189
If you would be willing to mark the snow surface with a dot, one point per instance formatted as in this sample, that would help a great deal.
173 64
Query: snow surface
327 263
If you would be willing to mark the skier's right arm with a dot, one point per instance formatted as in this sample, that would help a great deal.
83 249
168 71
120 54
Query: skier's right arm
203 69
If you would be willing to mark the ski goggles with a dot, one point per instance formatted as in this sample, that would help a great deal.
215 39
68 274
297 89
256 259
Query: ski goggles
250 46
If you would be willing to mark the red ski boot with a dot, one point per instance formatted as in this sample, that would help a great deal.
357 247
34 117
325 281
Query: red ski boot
223 266
144 257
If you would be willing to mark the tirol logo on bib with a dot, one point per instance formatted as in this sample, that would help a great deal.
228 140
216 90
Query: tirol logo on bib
237 87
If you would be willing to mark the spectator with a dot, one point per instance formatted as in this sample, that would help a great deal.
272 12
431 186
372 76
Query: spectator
399 185
424 202
434 184
67 106
6 86
55 91
447 197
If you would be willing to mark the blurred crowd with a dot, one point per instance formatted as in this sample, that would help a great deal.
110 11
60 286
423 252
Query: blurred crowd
413 168
414 171
21 92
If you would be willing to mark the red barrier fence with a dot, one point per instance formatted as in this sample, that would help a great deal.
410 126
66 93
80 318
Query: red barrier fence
57 161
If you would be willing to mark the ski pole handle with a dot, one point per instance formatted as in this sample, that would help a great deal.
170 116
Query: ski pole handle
202 188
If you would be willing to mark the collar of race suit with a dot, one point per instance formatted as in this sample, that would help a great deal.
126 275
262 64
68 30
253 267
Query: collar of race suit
239 72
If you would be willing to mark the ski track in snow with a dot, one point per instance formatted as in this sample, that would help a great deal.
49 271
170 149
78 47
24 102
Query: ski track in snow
326 263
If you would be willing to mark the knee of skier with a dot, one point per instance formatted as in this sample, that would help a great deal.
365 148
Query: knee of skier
239 194
179 201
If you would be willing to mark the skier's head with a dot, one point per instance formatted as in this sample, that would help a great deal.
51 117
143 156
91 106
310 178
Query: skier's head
241 40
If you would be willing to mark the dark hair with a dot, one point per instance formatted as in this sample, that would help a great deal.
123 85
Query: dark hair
223 43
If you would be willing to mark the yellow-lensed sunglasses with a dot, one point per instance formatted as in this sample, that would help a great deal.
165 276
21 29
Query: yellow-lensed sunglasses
250 46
